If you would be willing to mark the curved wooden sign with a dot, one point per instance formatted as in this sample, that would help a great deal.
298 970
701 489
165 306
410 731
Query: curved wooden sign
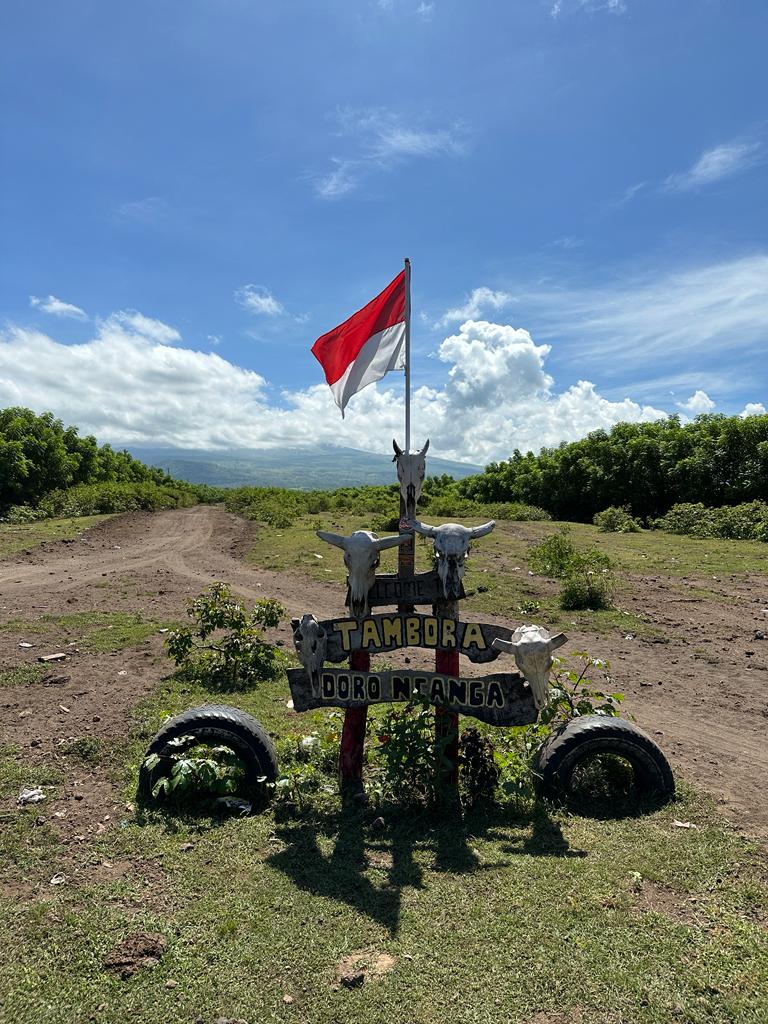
380 633
504 699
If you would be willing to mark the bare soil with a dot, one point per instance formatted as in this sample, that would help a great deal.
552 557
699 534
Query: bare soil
700 687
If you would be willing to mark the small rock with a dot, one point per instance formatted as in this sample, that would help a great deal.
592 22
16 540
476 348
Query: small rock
23 643
288 999
45 658
35 743
378 824
31 796
58 879
55 680
63 709
171 983
186 847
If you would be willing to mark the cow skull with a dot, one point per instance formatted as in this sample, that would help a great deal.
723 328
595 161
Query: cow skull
310 641
361 557
411 467
452 545
532 647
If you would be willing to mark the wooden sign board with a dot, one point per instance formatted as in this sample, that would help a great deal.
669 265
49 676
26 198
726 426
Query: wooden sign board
420 588
504 699
380 633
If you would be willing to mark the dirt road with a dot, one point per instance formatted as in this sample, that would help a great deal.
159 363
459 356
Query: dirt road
701 688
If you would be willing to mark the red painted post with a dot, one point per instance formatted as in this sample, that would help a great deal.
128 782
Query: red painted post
447 722
353 733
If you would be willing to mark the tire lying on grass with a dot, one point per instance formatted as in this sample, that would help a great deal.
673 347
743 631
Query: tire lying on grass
214 725
581 740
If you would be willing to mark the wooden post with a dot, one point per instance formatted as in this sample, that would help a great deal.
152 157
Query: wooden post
447 722
352 749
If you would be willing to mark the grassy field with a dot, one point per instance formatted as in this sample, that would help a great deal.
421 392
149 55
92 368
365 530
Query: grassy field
93 632
28 536
517 913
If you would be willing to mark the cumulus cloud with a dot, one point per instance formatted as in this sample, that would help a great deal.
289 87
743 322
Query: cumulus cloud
752 409
715 164
258 299
57 307
144 327
479 301
128 386
698 403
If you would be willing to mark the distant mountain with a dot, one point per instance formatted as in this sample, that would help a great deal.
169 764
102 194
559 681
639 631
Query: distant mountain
323 467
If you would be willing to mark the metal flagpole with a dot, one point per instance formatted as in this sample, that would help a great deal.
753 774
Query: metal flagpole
407 356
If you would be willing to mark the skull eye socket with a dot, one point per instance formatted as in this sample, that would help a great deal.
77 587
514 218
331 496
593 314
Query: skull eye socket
298 637
321 634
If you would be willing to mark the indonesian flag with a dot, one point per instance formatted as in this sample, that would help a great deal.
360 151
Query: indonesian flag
365 347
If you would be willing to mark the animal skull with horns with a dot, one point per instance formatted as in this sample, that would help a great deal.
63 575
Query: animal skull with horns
452 545
311 641
361 557
532 647
411 467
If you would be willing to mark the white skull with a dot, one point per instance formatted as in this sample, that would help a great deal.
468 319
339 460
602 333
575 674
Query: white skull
532 647
451 549
361 557
411 467
310 641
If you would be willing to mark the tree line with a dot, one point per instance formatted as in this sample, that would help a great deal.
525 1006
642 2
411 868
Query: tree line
38 455
648 467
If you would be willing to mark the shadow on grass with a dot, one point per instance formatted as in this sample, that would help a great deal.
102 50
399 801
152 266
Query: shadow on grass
398 849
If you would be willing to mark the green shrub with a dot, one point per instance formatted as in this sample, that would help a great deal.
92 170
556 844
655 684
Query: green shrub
616 519
554 555
226 643
748 521
586 590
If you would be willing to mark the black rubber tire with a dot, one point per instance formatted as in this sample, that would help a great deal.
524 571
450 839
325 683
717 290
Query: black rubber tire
582 738
217 725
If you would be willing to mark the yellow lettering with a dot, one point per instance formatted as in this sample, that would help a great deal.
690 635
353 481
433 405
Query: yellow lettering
473 634
449 633
412 637
371 636
430 631
392 632
346 627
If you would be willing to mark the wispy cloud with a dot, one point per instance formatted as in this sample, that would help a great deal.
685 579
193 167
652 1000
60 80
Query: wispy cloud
145 326
717 163
142 211
378 140
478 302
260 300
566 242
424 9
567 6
663 321
57 307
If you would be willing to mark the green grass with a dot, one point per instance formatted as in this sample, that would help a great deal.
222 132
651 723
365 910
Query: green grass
93 632
22 675
507 914
31 535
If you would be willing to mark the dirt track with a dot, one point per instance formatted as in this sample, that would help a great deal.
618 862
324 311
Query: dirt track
700 690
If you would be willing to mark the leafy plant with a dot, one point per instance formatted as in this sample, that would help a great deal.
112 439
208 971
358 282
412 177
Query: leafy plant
197 771
616 519
226 642
586 590
409 757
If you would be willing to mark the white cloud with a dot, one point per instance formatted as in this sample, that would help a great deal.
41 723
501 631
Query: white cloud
378 140
560 6
566 242
57 307
698 403
479 301
667 320
142 211
144 326
214 339
257 299
752 409
715 164
129 388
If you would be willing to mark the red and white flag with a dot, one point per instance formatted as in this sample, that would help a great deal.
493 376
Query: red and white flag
368 345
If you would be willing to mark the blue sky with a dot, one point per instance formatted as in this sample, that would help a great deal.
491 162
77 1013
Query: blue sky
193 191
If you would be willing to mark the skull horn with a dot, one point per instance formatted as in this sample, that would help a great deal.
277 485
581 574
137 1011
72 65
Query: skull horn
425 529
425 448
398 450
480 531
333 538
390 542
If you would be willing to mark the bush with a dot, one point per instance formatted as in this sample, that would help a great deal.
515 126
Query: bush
616 519
587 590
748 521
226 643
